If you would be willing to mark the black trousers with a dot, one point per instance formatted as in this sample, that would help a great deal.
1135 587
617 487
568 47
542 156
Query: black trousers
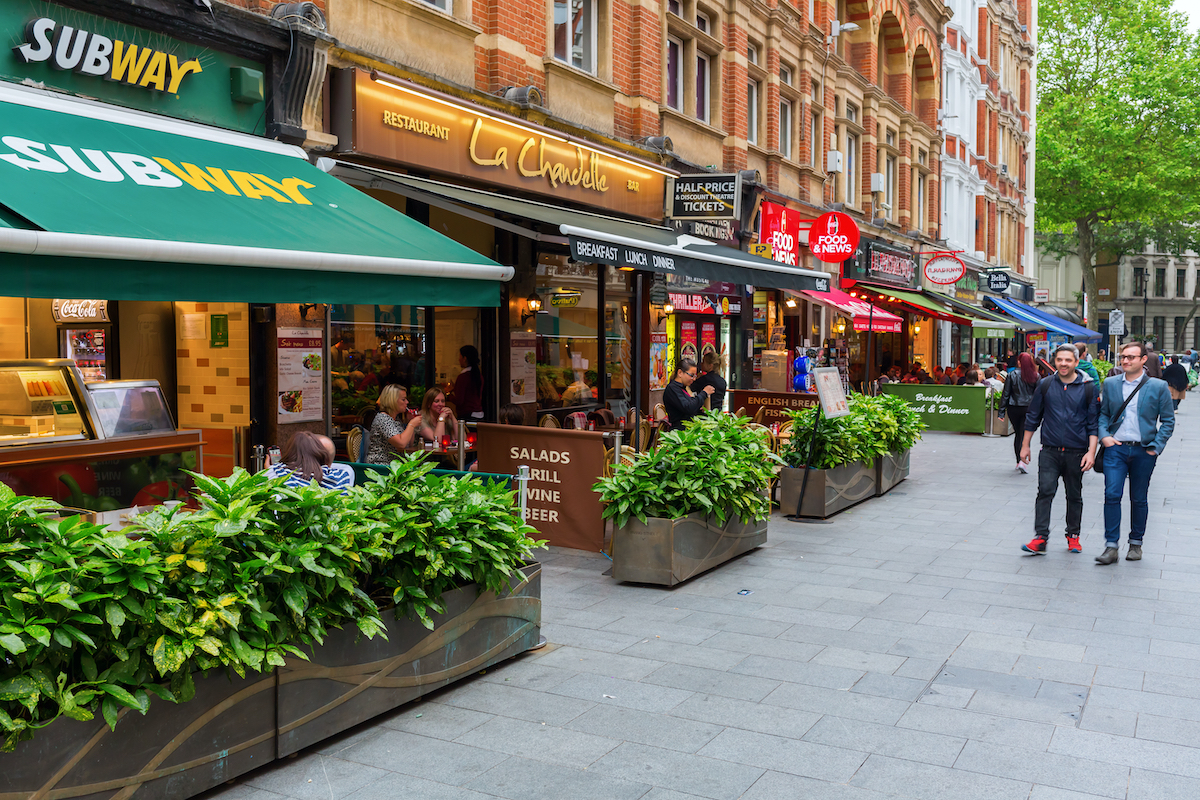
1017 415
1055 463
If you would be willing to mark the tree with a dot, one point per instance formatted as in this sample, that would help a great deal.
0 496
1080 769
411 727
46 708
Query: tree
1118 129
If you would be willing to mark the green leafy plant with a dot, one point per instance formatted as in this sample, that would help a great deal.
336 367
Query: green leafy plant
717 465
1102 367
875 426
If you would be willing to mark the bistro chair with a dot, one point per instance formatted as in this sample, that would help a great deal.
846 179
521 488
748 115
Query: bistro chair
549 421
660 412
760 415
741 412
645 433
576 420
765 432
784 436
367 416
356 440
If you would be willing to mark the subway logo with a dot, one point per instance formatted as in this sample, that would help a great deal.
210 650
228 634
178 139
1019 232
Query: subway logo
113 167
86 53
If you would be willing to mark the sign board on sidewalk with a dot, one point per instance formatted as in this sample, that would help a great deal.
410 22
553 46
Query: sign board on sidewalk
829 389
1116 322
944 408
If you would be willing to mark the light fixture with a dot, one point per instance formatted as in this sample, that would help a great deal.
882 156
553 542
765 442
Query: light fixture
534 301
790 302
625 269
667 310
916 328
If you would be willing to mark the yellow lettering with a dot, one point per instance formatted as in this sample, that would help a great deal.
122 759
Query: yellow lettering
199 178
528 173
290 187
178 71
127 65
156 72
253 188
499 160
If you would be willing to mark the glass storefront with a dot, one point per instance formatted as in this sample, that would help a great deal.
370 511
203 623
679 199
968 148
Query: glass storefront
371 347
568 357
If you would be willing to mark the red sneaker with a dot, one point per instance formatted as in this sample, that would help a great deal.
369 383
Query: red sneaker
1073 544
1035 546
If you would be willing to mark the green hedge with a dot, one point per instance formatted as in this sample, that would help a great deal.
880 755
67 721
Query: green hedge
875 426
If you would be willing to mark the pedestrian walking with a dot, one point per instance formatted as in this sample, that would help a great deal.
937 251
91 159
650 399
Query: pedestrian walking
1085 362
1153 363
1136 420
1177 380
1066 402
681 404
1014 401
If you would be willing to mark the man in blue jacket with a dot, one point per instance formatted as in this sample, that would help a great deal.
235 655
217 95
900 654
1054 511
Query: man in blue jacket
1132 444
1066 403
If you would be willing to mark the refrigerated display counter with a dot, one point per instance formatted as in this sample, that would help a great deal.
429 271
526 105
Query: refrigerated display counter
98 446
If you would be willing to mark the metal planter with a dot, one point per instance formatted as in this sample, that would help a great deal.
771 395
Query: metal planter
350 679
669 551
997 425
175 751
890 469
829 490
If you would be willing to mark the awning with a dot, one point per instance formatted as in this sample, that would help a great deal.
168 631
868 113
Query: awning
93 192
925 305
984 324
1030 314
863 315
596 238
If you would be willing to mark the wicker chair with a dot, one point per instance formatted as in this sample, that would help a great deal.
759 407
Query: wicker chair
741 412
549 421
760 415
765 432
784 435
355 444
645 435
660 412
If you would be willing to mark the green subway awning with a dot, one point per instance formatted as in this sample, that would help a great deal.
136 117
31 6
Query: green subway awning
133 206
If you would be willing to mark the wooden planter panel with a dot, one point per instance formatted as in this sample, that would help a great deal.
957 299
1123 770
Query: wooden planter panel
175 751
351 679
890 470
667 552
829 490
1000 427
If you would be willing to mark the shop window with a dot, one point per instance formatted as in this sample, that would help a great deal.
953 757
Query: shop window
674 73
618 340
785 128
568 357
575 33
371 347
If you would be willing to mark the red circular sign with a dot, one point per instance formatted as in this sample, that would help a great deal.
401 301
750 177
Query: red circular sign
833 237
944 269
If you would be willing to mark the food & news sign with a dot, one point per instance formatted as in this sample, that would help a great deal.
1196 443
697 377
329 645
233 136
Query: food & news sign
401 123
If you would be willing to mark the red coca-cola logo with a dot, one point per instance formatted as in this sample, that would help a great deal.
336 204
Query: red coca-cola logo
833 237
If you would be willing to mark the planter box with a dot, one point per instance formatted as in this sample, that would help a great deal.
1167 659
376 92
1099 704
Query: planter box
175 751
669 551
829 490
351 679
890 470
229 728
1000 427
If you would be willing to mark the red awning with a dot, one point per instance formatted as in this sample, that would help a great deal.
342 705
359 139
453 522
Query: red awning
862 314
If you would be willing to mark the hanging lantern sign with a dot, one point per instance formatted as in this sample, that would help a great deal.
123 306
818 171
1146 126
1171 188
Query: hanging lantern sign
945 269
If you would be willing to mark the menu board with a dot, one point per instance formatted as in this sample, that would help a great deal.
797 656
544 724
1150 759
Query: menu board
522 366
708 338
658 361
301 395
687 341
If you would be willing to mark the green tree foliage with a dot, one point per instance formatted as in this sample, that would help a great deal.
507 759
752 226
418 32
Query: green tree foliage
1118 118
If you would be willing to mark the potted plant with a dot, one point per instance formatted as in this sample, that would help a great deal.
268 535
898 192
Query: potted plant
840 459
695 501
899 427
210 609
1000 426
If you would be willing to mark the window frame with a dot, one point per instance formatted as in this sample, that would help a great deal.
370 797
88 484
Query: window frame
753 108
853 147
679 82
591 53
786 138
706 92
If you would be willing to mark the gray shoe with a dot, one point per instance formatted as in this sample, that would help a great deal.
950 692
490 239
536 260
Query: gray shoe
1135 553
1109 556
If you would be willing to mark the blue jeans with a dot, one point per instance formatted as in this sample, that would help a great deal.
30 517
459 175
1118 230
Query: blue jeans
1132 461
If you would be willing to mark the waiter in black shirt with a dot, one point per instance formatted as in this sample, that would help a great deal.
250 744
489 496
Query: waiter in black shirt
711 364
682 406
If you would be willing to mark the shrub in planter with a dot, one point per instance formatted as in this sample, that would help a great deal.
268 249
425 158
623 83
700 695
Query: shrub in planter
716 465
92 620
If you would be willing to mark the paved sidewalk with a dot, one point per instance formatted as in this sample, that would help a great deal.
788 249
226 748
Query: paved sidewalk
906 649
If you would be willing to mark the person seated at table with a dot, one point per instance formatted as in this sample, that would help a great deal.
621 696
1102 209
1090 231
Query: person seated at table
389 437
511 414
681 404
308 457
437 420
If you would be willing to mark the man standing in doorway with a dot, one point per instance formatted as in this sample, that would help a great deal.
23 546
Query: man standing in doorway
1133 440
1066 403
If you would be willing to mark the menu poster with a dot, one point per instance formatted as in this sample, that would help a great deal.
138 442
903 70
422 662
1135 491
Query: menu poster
301 375
687 341
658 362
708 338
522 366
830 391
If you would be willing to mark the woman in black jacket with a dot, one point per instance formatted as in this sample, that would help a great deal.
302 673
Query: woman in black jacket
681 405
1014 400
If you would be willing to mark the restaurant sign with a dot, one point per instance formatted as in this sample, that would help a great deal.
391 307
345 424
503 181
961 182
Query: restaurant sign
944 408
778 405
877 262
705 304
706 196
80 310
944 269
401 123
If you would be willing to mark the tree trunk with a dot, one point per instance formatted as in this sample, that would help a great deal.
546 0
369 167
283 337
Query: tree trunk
1179 346
1083 228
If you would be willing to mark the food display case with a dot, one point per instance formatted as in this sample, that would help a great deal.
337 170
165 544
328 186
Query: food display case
98 447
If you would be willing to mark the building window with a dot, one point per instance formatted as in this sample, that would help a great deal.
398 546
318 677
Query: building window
922 157
752 53
1180 333
785 128
889 184
891 138
919 201
1196 334
785 75
575 33
674 73
702 87
752 112
1181 283
673 7
444 5
1160 332
702 23
851 168
852 112
1160 282
1137 326
814 142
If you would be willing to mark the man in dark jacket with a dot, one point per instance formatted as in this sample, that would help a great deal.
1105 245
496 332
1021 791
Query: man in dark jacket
1176 377
1066 403
682 406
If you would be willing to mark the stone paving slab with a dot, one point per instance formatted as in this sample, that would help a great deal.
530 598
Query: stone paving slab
907 650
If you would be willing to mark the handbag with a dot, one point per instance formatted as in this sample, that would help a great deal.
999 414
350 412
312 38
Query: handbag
1098 465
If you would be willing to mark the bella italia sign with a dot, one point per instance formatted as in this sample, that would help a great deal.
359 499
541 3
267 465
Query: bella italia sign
944 408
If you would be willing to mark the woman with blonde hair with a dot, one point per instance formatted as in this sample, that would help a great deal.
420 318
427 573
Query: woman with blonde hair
436 418
390 437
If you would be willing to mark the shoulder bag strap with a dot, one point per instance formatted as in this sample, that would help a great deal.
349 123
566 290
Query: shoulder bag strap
1121 410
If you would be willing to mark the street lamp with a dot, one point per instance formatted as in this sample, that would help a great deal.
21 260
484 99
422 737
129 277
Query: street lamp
1141 281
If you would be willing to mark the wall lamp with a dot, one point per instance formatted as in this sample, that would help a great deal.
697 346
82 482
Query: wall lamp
790 302
667 310
534 301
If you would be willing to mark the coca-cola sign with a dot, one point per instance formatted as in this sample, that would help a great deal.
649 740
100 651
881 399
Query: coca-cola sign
80 310
833 237
944 269
781 230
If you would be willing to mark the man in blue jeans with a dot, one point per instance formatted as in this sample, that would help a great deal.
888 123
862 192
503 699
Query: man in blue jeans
1132 444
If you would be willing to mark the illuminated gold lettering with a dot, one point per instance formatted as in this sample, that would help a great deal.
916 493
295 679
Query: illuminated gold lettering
528 173
499 160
